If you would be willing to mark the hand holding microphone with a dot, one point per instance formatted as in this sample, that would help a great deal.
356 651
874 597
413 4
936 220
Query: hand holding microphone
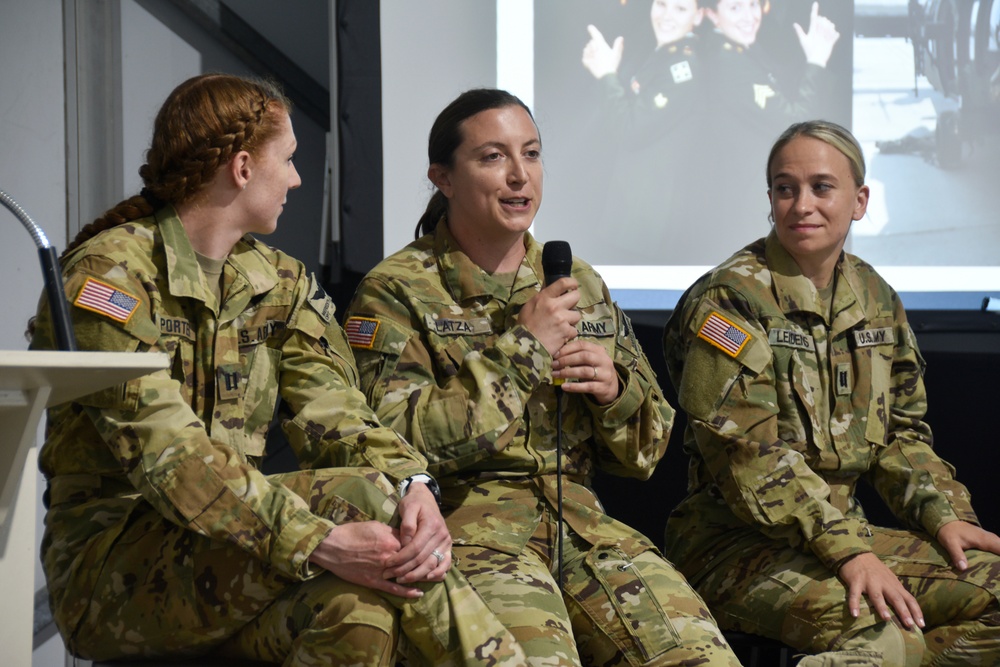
579 366
549 315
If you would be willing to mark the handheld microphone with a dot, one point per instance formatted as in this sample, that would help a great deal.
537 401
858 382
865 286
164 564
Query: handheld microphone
557 261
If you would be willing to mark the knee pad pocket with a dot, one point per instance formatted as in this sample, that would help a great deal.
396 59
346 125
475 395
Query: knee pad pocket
612 590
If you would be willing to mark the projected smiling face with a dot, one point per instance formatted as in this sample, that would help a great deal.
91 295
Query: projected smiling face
673 19
739 20
494 186
814 200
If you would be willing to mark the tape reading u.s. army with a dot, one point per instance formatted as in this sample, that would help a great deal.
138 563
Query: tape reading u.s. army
724 335
253 334
869 337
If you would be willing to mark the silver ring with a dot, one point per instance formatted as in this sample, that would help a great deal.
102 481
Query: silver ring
595 372
437 554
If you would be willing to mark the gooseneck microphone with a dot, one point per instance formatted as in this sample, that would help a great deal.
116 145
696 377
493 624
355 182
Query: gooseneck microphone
557 262
51 274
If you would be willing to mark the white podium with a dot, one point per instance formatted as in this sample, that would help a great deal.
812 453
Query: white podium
30 382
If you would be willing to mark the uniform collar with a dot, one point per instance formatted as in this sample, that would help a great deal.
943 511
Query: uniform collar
254 275
727 44
467 280
796 293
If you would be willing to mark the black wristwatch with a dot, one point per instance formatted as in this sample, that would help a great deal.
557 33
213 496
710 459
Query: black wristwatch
431 483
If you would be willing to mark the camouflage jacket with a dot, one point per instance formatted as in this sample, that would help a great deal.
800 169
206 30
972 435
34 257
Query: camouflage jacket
743 85
661 97
446 364
188 440
789 407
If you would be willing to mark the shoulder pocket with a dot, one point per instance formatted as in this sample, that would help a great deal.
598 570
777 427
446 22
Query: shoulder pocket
138 337
721 346
377 345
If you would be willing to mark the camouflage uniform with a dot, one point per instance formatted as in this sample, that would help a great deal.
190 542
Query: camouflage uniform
162 536
444 360
788 408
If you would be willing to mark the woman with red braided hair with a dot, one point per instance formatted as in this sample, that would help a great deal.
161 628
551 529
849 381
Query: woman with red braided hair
163 538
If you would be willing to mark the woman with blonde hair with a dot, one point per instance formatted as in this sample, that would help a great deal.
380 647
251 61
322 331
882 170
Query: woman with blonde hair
801 378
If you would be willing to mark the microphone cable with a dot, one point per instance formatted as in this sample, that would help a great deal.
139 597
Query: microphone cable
559 490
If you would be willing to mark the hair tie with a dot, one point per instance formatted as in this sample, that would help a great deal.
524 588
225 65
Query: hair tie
153 200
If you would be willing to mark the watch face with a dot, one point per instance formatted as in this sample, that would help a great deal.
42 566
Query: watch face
431 483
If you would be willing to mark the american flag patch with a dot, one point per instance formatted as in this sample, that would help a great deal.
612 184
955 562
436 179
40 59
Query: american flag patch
361 331
723 334
106 300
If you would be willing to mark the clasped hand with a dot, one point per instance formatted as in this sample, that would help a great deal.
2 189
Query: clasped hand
378 556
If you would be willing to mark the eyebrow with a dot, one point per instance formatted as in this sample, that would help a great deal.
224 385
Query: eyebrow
823 176
500 144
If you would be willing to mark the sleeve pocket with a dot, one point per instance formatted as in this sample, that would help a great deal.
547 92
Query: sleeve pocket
203 500
445 424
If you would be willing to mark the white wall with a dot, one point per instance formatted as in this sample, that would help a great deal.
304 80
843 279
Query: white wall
32 152
157 53
32 162
449 62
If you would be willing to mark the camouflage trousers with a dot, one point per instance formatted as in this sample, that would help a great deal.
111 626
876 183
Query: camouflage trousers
616 608
769 589
162 590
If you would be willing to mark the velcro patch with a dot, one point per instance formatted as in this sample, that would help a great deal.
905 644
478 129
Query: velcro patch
444 326
843 379
681 71
762 93
253 334
320 301
176 326
790 338
596 328
228 378
361 331
869 337
106 300
723 334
